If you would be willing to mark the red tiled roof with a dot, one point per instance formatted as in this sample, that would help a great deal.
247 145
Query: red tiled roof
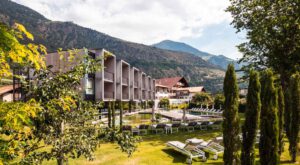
171 81
7 88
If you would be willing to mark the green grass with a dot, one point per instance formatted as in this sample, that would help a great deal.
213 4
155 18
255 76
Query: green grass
152 150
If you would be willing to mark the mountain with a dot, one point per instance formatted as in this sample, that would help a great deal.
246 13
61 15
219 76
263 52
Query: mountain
181 47
218 60
154 61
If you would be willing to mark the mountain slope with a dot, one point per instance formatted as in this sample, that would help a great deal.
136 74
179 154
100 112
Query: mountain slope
156 62
218 60
180 47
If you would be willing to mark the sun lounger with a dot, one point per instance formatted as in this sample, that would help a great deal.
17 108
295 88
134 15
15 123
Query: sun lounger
211 147
175 127
190 151
216 125
159 128
204 125
143 129
126 128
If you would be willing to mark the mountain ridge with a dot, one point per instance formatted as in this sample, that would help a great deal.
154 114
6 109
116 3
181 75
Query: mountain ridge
154 61
218 60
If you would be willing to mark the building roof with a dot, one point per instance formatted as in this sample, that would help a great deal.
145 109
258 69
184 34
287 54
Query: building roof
197 89
171 81
7 88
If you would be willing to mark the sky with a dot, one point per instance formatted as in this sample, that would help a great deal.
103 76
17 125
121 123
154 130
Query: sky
203 24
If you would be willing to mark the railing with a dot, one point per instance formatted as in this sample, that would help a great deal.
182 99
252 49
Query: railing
125 96
125 81
108 76
109 95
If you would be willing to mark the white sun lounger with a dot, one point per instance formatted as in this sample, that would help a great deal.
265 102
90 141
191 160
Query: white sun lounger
211 147
190 153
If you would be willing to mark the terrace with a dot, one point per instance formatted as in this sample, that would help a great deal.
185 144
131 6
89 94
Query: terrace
109 69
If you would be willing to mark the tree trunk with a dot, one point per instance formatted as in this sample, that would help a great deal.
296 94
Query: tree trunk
121 115
153 114
60 159
14 85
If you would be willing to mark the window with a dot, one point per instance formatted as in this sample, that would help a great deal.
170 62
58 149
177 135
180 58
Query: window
89 86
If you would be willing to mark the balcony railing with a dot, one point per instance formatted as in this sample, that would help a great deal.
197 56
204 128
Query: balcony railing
108 76
125 81
109 95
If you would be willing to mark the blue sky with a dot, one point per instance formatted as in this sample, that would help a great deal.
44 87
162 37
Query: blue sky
203 24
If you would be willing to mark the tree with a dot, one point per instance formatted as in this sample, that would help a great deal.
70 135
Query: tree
231 118
14 53
272 32
65 122
250 126
151 104
281 114
294 113
219 100
113 114
16 128
130 106
269 135
202 98
121 114
164 102
109 110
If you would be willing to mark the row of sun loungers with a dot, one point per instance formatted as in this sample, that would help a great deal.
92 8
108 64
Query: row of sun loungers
171 128
207 111
196 148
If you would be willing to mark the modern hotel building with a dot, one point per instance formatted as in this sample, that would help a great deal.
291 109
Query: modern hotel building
117 80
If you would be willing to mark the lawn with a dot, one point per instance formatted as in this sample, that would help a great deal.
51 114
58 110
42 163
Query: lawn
152 150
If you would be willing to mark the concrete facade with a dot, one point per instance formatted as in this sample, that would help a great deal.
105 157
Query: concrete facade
117 80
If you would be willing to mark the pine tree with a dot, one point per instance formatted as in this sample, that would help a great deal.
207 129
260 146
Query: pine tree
268 145
281 107
109 113
294 112
113 113
231 119
249 129
121 114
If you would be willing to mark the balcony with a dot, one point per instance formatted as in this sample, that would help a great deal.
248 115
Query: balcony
136 96
109 95
125 81
125 96
108 76
135 84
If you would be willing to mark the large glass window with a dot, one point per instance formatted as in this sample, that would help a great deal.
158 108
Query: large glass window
89 86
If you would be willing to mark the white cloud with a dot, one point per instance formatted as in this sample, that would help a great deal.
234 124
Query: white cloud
142 21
